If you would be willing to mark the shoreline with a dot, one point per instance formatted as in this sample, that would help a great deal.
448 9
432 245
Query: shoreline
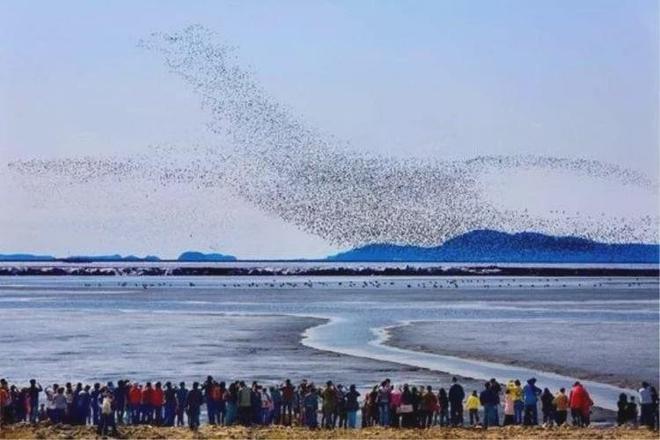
392 337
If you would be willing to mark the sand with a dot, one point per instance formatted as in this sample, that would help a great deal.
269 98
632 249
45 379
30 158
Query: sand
45 431
544 345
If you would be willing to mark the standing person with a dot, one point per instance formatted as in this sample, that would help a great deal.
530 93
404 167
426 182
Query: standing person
193 404
547 407
352 406
341 413
107 424
157 400
496 390
4 401
231 402
220 401
34 391
287 403
169 396
383 399
631 411
83 405
487 400
531 395
622 409
311 406
59 406
146 407
580 403
120 401
472 406
656 407
561 407
646 404
509 407
443 410
329 396
395 403
406 408
244 404
518 402
95 398
134 401
456 396
429 407
207 389
181 400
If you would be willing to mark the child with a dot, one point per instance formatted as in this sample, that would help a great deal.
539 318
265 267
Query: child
472 405
509 407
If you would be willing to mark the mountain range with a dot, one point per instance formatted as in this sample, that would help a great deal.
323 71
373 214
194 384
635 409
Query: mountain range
479 246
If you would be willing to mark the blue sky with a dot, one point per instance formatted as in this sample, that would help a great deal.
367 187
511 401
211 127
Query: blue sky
445 79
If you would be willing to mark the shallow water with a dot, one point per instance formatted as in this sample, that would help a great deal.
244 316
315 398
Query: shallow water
171 310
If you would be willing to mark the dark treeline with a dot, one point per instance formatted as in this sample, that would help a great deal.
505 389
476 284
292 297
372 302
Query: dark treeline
304 404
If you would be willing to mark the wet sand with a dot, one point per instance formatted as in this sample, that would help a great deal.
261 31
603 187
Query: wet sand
213 432
581 350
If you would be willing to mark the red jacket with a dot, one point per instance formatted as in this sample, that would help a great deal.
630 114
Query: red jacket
134 396
579 399
146 396
157 397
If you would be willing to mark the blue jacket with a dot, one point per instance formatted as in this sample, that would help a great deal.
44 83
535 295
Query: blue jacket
531 394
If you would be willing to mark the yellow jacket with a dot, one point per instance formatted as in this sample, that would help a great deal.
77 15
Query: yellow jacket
472 402
514 391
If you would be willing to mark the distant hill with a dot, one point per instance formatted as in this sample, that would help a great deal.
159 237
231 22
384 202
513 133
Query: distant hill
25 257
489 246
198 256
114 257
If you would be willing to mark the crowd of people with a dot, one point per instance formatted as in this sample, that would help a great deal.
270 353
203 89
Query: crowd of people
328 406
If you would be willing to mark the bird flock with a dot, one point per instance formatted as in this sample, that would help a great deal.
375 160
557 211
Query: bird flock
291 170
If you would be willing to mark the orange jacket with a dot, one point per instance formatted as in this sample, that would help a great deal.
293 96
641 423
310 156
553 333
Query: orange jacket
134 396
146 396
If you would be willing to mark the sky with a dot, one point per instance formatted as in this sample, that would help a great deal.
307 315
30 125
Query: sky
424 79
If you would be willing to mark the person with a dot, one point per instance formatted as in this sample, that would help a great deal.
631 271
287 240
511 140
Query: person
383 400
429 407
82 406
631 411
193 404
561 407
287 402
509 407
207 388
181 399
33 392
146 408
311 406
646 405
107 425
580 403
59 406
4 401
656 407
169 396
456 396
134 401
472 406
119 401
487 400
231 403
518 404
340 411
622 409
496 390
443 410
531 394
219 392
244 404
157 400
329 396
547 407
95 398
352 406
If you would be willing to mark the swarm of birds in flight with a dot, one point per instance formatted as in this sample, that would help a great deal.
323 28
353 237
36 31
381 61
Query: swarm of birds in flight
289 169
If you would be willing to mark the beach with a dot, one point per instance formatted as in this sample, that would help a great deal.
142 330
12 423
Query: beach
214 432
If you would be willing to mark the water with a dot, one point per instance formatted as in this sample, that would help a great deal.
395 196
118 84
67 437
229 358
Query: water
165 326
